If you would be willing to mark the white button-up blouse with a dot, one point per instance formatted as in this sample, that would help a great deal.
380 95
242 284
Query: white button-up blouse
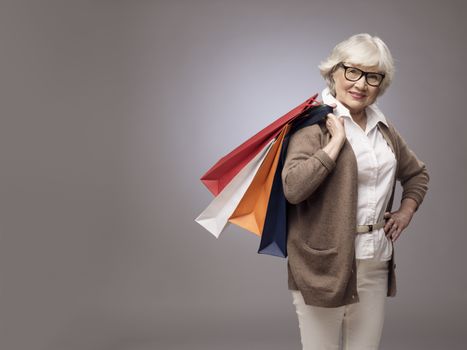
376 170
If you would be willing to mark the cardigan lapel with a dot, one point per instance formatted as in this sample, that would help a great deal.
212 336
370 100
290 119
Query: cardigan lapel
387 136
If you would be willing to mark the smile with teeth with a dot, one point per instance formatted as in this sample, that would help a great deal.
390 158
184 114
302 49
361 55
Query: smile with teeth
356 95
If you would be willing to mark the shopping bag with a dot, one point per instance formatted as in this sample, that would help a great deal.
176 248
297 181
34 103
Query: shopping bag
221 173
214 218
251 211
274 235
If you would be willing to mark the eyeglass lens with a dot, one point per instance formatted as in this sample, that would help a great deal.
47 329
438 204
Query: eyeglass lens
354 74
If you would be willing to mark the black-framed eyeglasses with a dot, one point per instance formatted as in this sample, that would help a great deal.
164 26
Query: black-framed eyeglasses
354 74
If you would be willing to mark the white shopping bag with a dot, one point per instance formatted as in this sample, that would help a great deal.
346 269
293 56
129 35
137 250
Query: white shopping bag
215 217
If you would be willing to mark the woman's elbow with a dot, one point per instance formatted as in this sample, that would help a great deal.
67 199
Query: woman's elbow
293 190
290 193
292 197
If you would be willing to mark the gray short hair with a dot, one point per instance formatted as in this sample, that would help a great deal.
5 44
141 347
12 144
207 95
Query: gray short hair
361 49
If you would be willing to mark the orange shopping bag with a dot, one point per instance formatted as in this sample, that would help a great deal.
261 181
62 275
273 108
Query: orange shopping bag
250 213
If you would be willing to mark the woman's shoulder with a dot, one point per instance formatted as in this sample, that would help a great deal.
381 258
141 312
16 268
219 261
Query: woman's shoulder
394 134
311 131
392 128
309 138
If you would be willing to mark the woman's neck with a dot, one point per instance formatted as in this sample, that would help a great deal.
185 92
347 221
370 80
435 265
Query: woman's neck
359 118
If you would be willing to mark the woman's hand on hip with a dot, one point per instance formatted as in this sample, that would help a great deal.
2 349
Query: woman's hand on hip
396 222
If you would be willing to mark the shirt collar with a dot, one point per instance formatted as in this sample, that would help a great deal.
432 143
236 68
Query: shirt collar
373 112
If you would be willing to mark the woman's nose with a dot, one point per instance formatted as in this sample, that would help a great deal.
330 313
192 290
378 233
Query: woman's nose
361 83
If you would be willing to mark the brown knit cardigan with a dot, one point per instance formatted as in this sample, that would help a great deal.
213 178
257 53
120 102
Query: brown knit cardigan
322 213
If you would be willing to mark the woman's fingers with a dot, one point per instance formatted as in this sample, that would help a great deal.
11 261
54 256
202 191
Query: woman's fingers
331 117
397 234
394 226
389 221
393 229
388 225
330 121
335 125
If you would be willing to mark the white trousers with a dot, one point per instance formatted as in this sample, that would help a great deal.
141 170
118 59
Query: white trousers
356 326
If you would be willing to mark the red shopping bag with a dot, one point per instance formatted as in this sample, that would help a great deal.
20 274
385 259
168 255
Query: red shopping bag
221 173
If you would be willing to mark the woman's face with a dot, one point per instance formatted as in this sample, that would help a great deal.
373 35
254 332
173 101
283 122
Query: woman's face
355 95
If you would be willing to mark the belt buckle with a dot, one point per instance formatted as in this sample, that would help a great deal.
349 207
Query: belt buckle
370 228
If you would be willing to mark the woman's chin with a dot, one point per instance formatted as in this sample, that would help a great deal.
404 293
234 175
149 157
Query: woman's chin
354 106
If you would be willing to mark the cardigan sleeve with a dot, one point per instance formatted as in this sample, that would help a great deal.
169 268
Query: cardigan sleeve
306 164
412 172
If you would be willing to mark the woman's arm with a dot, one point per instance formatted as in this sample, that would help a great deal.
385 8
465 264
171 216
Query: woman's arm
307 164
412 173
414 178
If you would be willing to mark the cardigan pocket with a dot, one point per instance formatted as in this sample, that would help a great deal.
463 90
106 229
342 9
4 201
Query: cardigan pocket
320 268
319 251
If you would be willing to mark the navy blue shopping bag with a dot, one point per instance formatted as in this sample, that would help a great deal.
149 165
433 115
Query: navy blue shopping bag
274 235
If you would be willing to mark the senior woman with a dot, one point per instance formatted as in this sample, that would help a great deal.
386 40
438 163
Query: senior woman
339 179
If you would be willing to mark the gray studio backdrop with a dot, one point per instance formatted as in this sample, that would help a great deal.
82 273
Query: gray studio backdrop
112 110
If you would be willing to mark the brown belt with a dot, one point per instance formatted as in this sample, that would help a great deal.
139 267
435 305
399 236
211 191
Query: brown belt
369 228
